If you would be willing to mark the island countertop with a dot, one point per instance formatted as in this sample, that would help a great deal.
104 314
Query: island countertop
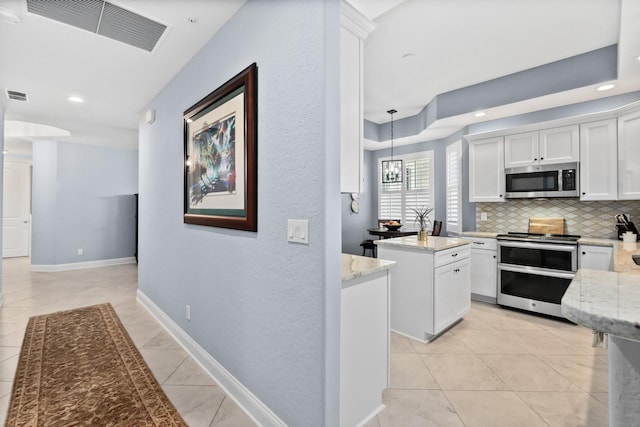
432 244
605 301
354 266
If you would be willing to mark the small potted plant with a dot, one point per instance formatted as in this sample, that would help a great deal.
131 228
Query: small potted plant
422 217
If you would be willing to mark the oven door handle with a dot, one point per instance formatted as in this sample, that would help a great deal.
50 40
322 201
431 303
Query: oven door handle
542 246
537 271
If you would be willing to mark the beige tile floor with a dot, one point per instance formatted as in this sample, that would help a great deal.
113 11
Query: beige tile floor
497 367
196 396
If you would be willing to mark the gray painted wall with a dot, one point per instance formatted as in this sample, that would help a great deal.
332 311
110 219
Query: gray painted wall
1 189
83 197
354 225
266 309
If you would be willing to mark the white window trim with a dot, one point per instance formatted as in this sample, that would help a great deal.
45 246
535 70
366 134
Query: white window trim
457 225
428 154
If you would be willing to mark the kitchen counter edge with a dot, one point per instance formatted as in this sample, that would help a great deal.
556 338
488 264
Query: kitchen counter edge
432 244
604 301
354 266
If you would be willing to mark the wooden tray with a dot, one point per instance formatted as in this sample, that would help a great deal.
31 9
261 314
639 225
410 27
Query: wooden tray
546 225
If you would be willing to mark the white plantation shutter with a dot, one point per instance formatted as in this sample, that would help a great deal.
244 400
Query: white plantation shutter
454 187
395 200
419 176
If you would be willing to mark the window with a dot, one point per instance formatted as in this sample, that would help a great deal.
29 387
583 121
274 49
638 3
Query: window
395 200
454 187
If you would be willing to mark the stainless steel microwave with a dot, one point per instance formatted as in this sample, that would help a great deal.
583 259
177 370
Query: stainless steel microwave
557 180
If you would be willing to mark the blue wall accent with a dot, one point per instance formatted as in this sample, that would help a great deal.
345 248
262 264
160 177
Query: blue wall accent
1 190
83 197
589 68
266 309
573 110
354 225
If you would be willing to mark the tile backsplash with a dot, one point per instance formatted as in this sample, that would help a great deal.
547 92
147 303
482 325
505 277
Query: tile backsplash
587 219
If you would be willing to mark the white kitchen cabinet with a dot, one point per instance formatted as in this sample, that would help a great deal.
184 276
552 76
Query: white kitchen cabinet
598 160
484 269
451 293
430 291
486 170
596 257
547 146
355 27
629 156
521 149
559 145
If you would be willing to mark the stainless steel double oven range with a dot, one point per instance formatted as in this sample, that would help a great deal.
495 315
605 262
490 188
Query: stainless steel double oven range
534 270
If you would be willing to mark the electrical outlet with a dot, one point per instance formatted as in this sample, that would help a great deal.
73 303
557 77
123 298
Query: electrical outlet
188 312
80 251
483 216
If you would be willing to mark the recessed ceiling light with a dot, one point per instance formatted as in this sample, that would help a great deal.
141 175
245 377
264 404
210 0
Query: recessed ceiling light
75 99
9 16
480 114
605 87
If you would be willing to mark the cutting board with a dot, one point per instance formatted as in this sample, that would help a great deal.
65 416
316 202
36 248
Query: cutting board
546 225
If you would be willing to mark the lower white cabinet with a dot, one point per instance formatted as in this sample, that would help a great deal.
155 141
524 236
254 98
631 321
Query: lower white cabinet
364 347
451 294
484 270
596 257
430 291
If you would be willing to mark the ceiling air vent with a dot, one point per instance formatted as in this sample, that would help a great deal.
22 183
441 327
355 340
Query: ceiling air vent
17 96
102 18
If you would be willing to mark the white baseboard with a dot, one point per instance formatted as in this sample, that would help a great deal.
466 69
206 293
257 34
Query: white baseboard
252 406
53 268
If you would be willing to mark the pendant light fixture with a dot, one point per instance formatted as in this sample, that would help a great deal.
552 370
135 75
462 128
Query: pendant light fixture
391 169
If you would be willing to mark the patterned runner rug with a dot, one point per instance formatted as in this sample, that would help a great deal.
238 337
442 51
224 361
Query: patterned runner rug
80 368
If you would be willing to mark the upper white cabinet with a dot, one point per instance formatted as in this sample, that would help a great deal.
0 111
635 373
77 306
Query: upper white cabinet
598 161
629 156
486 170
559 145
521 149
547 146
355 27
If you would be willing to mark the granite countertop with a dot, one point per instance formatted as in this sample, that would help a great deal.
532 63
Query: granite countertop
605 301
432 244
354 266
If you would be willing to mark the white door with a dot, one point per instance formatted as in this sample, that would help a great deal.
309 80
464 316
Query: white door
15 215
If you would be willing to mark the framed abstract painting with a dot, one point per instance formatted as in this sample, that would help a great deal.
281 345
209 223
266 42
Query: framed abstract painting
220 156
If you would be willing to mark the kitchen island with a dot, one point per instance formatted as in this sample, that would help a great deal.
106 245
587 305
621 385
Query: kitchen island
431 284
609 302
364 338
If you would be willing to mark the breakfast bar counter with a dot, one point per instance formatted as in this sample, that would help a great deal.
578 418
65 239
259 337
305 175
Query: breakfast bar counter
364 337
609 302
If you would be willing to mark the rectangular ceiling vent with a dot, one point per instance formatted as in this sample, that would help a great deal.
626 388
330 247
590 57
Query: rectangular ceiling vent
102 18
17 96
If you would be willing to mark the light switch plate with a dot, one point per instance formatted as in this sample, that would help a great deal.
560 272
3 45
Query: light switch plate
298 231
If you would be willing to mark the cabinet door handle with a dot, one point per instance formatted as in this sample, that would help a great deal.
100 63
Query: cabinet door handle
454 255
478 243
541 158
494 257
583 193
535 159
584 253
